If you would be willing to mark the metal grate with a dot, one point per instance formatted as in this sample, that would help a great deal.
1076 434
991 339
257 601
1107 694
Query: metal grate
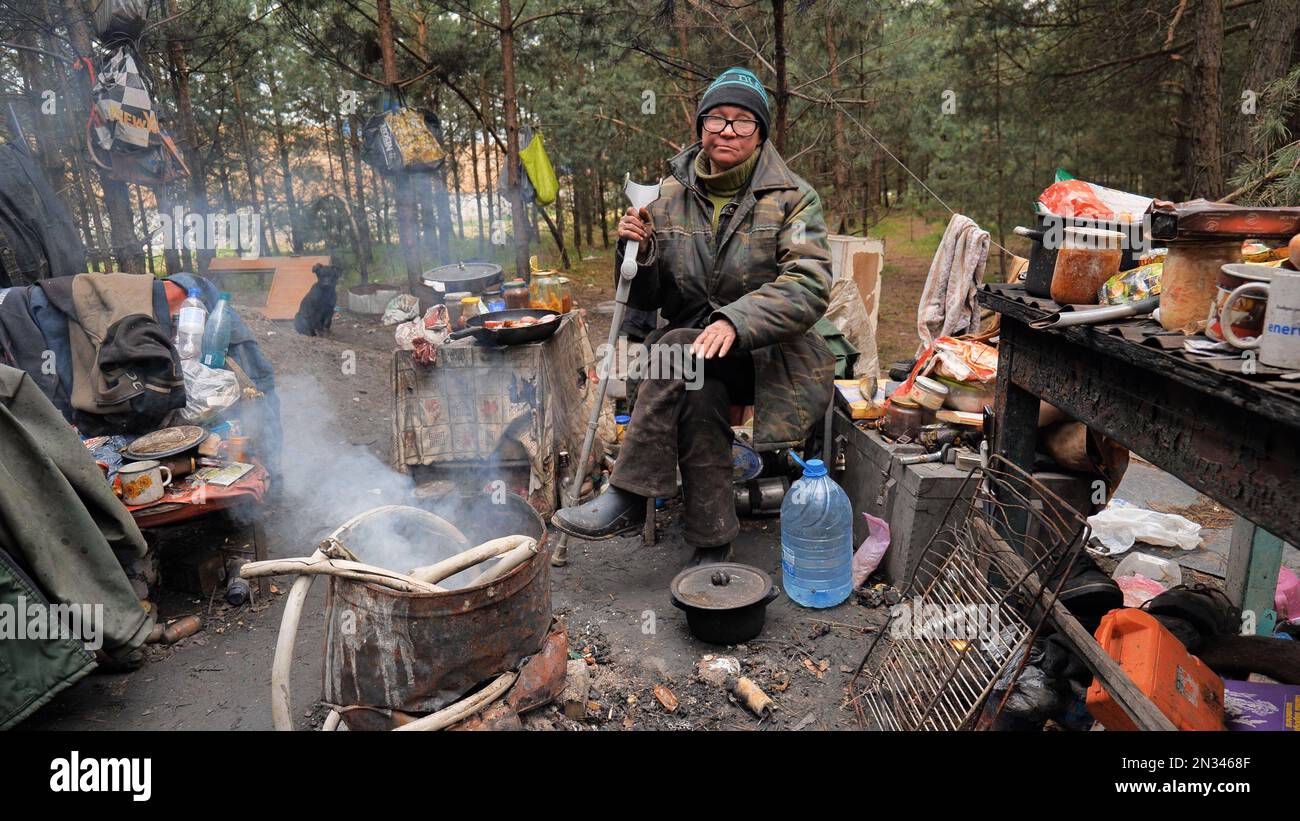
961 623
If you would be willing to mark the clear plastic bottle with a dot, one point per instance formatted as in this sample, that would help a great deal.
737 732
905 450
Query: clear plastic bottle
190 325
816 539
216 339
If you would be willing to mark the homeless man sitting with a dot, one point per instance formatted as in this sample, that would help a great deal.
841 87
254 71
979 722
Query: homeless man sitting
734 253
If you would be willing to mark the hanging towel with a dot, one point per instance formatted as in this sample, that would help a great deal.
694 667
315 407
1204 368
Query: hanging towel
947 306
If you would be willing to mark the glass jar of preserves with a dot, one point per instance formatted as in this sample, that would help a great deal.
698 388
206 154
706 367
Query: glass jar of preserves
543 293
516 294
565 294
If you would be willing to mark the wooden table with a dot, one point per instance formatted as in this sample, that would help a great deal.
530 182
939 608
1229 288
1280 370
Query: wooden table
1235 439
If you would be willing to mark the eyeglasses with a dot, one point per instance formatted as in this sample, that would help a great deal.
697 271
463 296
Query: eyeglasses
741 128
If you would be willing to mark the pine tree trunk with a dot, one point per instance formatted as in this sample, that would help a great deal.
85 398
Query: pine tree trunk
180 75
478 191
782 87
511 103
363 218
1204 98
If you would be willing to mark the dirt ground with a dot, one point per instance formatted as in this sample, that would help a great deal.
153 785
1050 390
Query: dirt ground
613 595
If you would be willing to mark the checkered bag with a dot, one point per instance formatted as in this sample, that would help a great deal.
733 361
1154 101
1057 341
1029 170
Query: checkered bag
124 117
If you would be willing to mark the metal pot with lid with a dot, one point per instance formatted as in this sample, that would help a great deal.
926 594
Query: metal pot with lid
473 277
725 603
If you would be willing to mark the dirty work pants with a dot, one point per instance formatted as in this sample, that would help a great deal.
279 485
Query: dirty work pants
675 423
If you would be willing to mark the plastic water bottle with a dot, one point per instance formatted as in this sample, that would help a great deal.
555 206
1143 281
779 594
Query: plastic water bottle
189 326
216 339
816 539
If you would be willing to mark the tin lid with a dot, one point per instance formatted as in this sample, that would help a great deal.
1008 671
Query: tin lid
722 586
904 402
931 385
166 442
469 300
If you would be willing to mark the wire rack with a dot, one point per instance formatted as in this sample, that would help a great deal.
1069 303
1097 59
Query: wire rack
962 623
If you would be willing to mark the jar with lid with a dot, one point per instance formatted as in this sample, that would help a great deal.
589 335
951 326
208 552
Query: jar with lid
494 298
1189 281
904 419
1086 259
471 306
543 295
565 294
516 294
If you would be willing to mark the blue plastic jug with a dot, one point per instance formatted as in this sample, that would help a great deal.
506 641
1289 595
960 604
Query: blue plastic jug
816 539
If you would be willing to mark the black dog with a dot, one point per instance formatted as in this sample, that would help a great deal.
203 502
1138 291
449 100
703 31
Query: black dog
316 310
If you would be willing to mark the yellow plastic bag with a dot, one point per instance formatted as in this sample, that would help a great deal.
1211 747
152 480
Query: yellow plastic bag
540 171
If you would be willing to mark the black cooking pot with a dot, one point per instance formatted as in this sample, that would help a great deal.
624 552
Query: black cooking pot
468 276
725 603
1042 260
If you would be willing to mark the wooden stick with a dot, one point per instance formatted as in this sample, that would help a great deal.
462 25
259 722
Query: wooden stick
325 566
434 573
462 709
508 562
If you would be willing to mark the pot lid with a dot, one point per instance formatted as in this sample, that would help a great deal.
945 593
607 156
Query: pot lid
459 272
166 442
722 586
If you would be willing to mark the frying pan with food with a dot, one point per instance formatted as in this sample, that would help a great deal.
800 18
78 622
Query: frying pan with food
484 326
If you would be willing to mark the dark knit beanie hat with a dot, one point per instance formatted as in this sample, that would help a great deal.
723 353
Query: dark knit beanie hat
736 86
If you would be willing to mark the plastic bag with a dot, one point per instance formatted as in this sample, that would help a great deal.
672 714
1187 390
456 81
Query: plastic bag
868 555
403 141
208 391
1132 285
120 19
1085 200
1121 524
540 171
401 308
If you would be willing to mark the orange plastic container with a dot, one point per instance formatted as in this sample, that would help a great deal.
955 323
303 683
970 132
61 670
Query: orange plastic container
1184 689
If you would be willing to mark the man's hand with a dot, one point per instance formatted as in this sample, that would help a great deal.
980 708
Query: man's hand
716 340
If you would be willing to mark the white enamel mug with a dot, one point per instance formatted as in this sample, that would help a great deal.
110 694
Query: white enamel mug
1279 344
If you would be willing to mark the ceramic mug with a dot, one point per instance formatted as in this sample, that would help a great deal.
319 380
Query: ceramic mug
143 482
1247 317
1279 343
